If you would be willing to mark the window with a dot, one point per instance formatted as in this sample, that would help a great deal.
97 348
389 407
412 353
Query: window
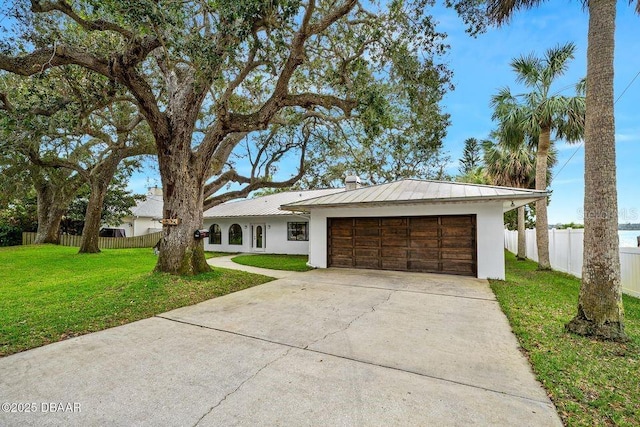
297 231
235 235
215 235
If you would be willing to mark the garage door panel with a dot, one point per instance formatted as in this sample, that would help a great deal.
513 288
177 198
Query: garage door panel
463 221
394 222
341 252
433 253
367 263
366 253
423 234
391 252
367 241
458 255
342 232
395 232
341 262
457 242
455 232
342 222
367 222
428 266
455 267
440 244
342 242
423 221
367 231
394 242
394 264
427 243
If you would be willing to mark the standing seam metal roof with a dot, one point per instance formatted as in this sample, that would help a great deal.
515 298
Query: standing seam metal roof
266 205
413 190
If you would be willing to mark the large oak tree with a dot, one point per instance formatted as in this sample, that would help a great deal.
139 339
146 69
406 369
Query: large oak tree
207 74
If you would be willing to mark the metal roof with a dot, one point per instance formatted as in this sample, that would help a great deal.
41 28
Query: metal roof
414 191
266 205
151 207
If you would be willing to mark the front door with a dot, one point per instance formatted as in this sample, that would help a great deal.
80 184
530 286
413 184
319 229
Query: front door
259 237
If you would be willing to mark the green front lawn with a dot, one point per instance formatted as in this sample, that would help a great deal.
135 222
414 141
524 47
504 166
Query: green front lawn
50 293
591 382
275 262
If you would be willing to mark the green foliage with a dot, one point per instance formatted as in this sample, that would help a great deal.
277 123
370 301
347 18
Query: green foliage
477 175
51 293
471 156
511 217
523 117
10 236
117 204
275 262
572 225
19 212
590 382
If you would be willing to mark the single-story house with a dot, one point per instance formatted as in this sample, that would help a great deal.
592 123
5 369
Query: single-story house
413 225
259 225
407 225
145 215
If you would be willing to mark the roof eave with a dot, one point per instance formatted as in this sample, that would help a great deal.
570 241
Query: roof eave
528 196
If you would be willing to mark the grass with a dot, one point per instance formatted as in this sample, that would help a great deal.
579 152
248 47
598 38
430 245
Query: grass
275 262
591 382
50 293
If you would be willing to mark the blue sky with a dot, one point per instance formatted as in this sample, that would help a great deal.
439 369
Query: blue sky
481 67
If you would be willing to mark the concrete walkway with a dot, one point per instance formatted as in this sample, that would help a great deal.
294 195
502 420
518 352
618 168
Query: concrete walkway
225 262
326 347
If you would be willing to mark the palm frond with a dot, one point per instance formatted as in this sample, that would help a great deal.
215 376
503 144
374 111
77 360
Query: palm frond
556 60
500 11
528 69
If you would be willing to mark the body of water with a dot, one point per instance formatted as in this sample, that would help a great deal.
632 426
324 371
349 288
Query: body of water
628 238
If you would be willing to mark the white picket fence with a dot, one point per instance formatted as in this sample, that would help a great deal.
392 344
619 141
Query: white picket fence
565 254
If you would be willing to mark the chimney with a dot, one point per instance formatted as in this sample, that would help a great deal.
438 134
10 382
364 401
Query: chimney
352 182
154 191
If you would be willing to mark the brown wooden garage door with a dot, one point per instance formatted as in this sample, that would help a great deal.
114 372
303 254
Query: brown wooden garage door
434 244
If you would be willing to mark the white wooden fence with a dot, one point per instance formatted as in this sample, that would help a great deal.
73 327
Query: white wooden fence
565 254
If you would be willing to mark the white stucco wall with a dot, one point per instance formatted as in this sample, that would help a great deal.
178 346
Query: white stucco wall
138 226
489 225
275 235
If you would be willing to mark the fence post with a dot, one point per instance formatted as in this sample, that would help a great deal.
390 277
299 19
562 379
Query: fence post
569 250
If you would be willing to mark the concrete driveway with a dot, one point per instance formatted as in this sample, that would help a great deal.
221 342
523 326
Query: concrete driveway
327 347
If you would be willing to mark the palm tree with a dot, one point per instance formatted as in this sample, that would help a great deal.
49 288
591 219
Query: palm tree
513 163
540 113
600 310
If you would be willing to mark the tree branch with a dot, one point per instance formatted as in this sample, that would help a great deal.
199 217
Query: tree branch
65 8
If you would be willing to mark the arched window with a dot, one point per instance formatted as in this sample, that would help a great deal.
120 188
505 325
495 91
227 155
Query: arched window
235 235
215 235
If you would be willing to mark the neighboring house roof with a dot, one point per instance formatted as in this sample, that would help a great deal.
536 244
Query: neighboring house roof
150 207
414 191
266 205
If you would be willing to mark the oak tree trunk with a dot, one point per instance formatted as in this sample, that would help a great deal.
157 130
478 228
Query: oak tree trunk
522 235
183 176
542 223
99 184
600 311
51 207
92 219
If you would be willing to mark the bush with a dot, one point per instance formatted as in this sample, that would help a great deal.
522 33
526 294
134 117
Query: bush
10 236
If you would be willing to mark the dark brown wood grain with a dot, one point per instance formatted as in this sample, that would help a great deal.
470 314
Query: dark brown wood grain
433 244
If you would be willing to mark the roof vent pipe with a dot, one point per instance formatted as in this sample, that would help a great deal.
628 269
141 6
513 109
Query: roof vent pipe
352 182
